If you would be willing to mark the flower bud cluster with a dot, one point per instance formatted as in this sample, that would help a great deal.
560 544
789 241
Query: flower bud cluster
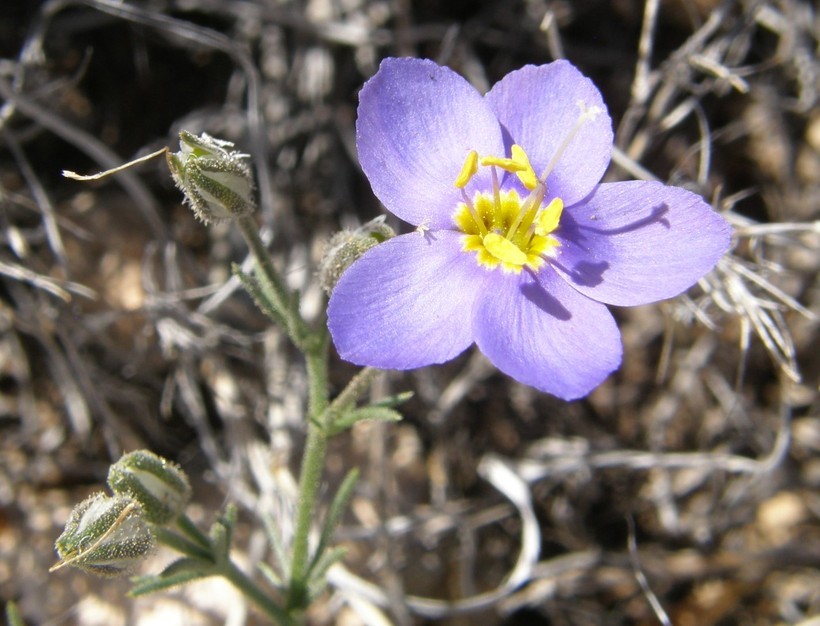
109 535
215 179
346 246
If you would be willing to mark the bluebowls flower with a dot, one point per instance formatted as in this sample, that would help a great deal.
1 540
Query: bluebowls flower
519 247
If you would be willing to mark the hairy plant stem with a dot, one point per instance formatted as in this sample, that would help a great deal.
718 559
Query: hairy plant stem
309 482
201 549
273 287
263 601
313 461
314 345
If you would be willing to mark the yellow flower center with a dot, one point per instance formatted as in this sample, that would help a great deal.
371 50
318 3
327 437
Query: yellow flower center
502 228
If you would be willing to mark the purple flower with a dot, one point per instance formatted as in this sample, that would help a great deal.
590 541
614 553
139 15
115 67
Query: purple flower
519 247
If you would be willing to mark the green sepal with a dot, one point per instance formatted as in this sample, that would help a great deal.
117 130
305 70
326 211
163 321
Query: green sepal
345 247
202 177
215 179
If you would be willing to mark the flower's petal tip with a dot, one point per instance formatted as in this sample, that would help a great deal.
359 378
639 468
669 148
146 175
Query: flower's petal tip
391 62
544 334
637 242
396 68
416 122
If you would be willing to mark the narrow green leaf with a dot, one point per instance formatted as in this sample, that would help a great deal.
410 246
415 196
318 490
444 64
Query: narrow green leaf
144 585
221 534
229 520
13 616
276 542
181 544
260 298
379 413
274 579
395 400
334 516
192 531
318 582
353 391
187 565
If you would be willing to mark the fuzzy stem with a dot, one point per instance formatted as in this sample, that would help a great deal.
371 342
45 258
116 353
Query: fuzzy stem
272 284
309 483
182 545
190 530
322 417
250 590
227 569
313 461
314 345
357 386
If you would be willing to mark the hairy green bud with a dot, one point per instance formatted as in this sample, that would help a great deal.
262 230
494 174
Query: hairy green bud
215 179
346 246
104 535
159 486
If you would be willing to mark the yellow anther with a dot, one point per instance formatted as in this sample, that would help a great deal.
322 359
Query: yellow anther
518 164
548 217
504 250
505 164
468 170
526 175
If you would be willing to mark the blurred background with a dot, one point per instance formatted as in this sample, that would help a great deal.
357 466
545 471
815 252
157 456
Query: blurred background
684 489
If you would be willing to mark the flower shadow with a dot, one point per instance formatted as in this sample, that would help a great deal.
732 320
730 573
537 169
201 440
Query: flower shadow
539 297
585 273
589 273
656 216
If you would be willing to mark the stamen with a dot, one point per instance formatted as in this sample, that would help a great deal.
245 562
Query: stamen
468 170
482 227
502 228
504 250
496 192
518 164
549 217
528 210
509 165
527 174
587 115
